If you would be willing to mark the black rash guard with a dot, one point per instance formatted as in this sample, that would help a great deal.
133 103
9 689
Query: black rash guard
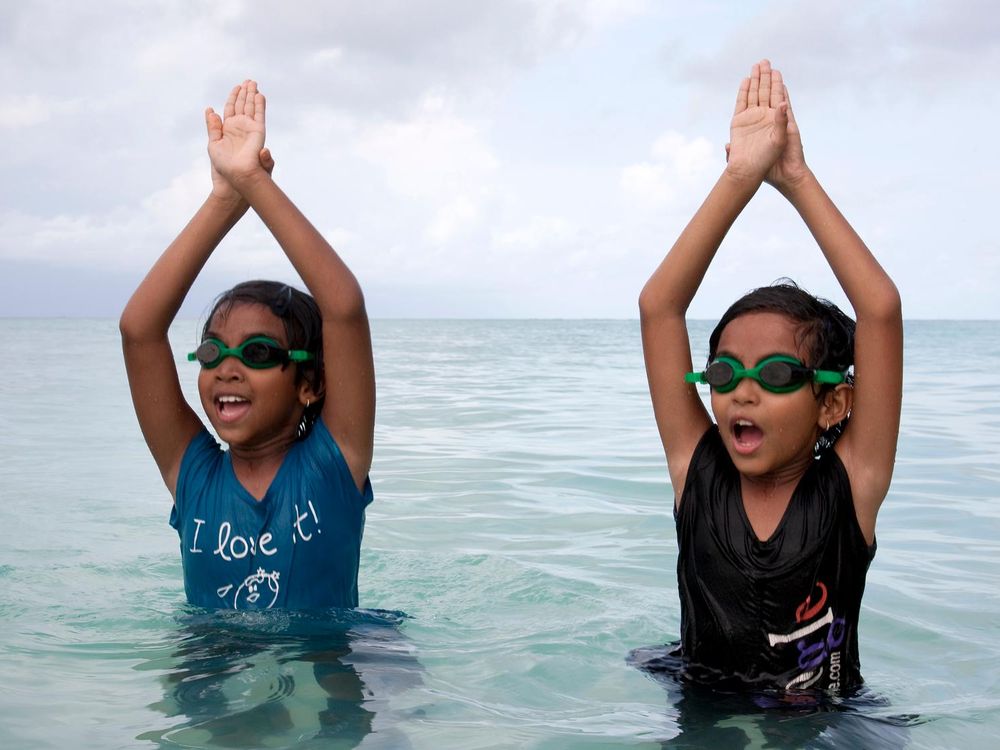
781 613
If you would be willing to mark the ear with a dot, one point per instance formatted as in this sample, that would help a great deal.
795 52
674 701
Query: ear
307 394
836 406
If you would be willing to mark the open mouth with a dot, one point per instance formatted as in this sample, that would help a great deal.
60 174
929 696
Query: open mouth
231 408
747 436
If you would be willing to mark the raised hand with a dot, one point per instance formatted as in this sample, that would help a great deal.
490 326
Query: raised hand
790 168
236 140
758 133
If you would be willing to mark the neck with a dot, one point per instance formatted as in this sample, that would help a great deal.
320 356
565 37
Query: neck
776 483
261 455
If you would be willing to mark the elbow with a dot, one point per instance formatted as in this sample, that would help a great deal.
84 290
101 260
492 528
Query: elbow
657 304
887 306
348 305
128 326
647 303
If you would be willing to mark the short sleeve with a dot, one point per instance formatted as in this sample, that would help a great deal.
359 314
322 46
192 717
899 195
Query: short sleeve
330 462
197 461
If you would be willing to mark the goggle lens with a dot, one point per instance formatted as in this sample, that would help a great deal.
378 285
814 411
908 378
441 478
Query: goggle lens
778 374
258 352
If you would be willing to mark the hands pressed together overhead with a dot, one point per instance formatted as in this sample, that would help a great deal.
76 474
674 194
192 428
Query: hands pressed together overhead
236 140
765 144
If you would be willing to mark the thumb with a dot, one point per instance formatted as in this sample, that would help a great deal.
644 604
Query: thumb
266 160
782 114
213 123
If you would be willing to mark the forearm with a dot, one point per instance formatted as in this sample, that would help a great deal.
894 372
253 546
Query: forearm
155 303
670 289
325 274
866 284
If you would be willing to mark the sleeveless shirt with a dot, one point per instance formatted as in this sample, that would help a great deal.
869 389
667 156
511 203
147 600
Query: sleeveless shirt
780 613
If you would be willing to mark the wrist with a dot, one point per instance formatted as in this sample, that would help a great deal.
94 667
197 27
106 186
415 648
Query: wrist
741 180
247 182
793 184
233 203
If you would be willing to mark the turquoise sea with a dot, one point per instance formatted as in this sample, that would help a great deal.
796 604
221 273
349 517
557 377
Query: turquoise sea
520 544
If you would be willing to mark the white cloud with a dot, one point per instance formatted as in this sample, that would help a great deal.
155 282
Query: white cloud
437 158
477 149
24 111
679 164
541 232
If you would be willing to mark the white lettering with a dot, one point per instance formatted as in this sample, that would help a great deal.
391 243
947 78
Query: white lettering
197 527
774 638
241 553
224 530
835 671
298 524
235 547
806 679
265 539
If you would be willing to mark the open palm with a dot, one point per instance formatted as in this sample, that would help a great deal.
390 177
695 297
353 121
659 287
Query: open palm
758 132
236 140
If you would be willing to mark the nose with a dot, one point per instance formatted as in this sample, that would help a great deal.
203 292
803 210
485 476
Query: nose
230 368
747 390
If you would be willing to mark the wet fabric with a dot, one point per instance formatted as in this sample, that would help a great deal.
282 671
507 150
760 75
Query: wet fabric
296 548
780 613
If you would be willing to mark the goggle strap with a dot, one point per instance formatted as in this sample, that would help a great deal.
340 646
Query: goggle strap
829 377
694 377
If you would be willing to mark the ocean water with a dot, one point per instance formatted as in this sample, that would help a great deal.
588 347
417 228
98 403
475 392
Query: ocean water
520 544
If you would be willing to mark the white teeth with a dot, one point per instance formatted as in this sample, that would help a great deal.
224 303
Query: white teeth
231 399
744 423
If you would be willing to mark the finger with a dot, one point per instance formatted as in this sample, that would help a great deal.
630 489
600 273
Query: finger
752 99
727 153
741 96
213 124
230 109
249 105
777 88
764 93
241 99
259 105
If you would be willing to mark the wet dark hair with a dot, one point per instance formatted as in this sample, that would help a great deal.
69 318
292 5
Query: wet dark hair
824 331
303 330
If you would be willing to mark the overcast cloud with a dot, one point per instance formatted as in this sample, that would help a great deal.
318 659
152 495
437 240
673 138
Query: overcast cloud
495 159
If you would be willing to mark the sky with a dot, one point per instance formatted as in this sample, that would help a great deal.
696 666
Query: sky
500 158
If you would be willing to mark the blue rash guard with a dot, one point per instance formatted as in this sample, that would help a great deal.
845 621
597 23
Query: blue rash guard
296 548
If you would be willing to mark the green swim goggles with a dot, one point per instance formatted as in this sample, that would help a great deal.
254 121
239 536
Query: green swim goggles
777 374
258 352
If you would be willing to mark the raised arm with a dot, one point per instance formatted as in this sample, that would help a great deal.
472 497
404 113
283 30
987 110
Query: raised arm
757 138
868 445
167 421
349 409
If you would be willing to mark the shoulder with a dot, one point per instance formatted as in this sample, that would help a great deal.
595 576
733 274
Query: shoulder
708 463
833 494
202 454
318 457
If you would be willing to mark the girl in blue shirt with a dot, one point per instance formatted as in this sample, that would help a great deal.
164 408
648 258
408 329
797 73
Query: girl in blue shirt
287 381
